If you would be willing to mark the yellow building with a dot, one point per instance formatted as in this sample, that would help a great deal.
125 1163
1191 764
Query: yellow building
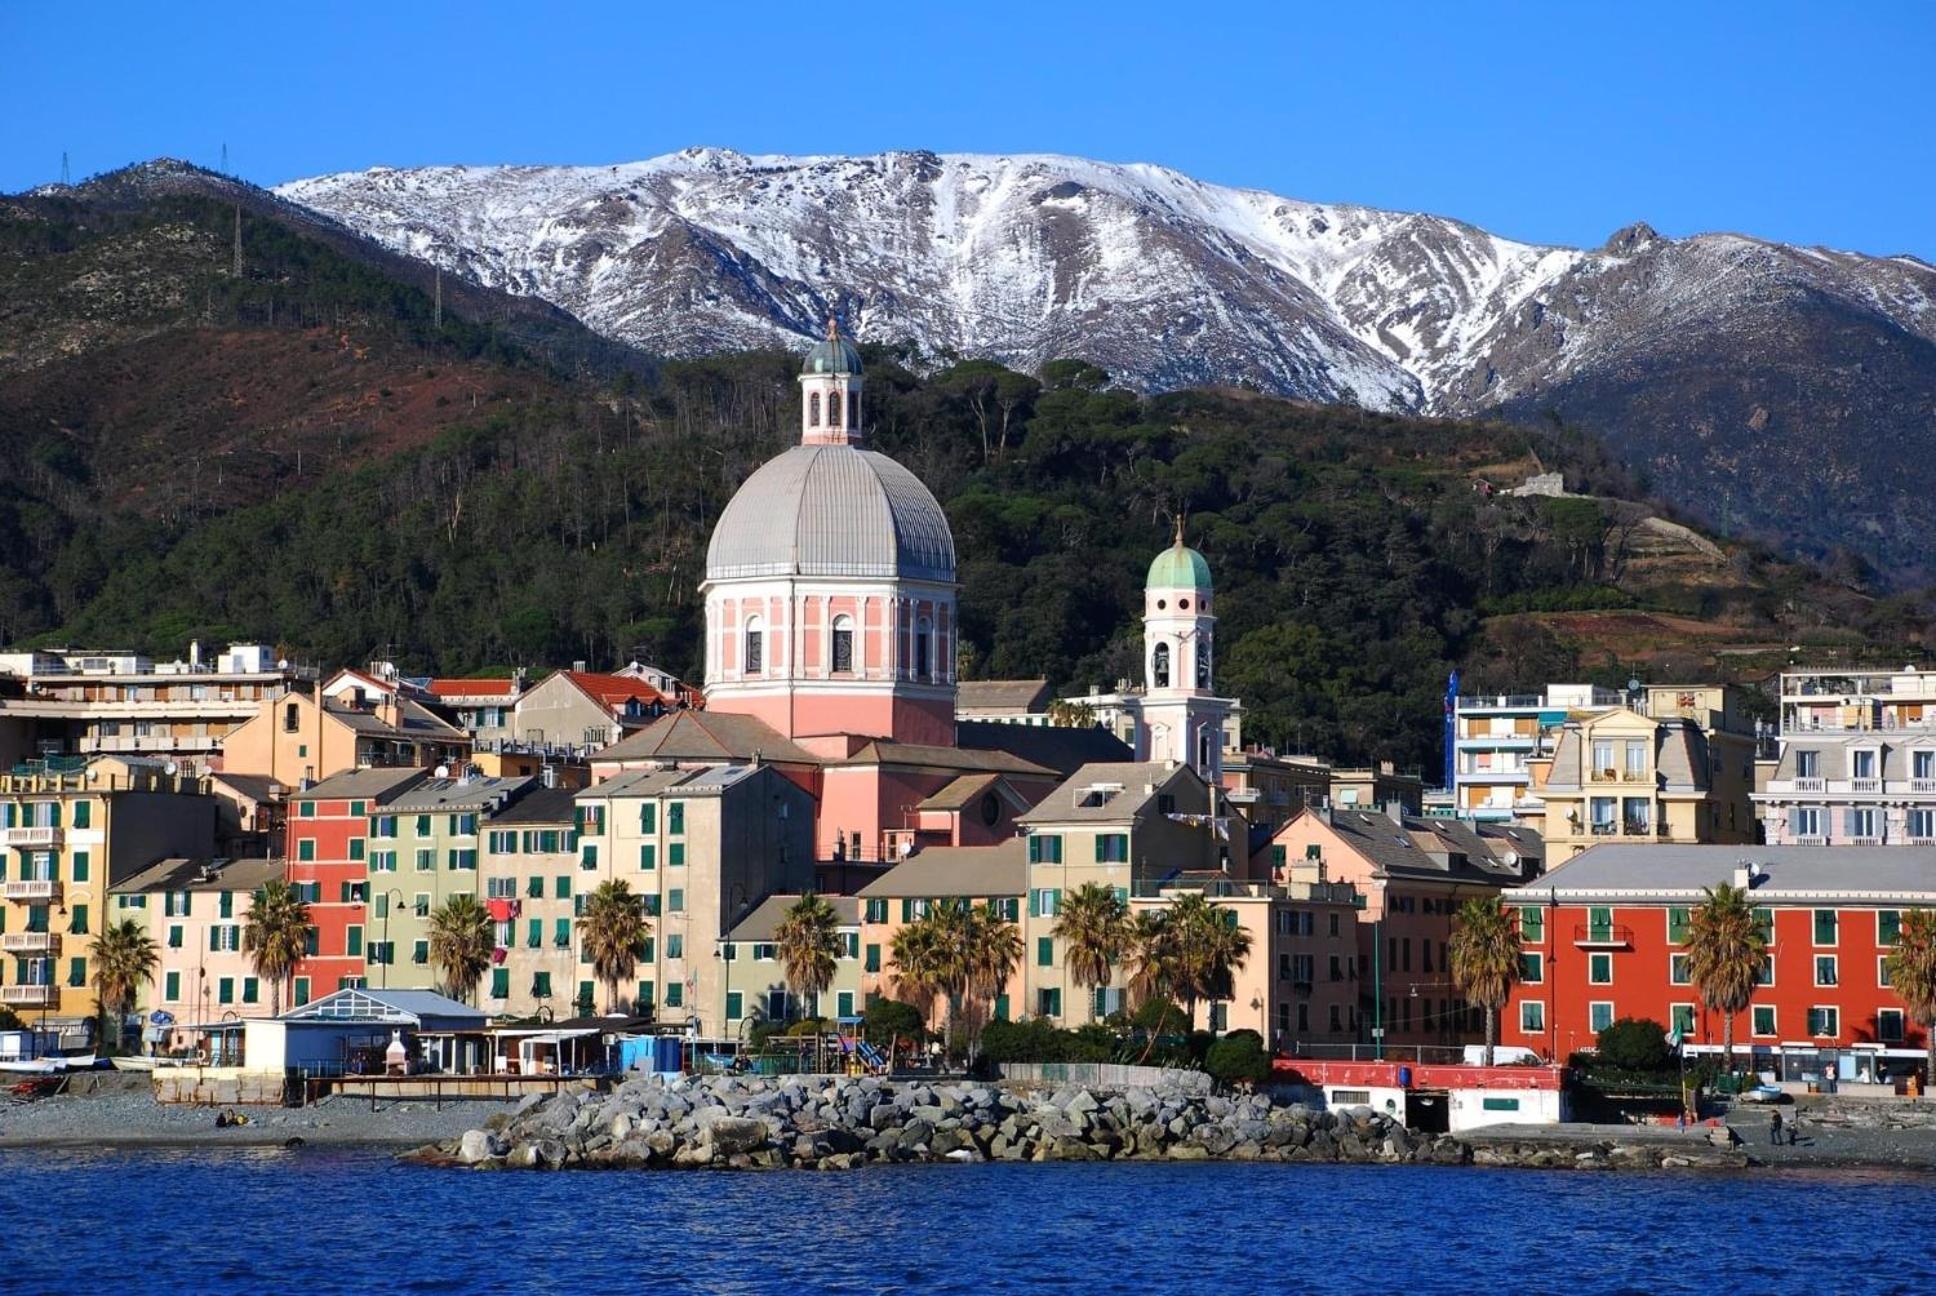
66 836
1623 776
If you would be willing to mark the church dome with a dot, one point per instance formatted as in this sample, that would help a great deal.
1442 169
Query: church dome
832 355
832 510
1179 567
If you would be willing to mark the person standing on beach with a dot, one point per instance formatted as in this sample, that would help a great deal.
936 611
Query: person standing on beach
1774 1129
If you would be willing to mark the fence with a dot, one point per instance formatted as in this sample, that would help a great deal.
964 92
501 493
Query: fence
1104 1075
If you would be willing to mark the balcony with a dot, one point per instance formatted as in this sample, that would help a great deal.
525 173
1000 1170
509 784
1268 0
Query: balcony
1872 839
1862 786
1638 777
30 996
1811 841
31 838
1922 785
30 942
1811 784
1603 936
31 889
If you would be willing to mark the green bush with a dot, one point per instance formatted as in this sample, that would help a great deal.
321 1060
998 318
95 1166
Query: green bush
10 1020
1238 1056
808 1026
1160 1017
1038 1040
1634 1044
885 1020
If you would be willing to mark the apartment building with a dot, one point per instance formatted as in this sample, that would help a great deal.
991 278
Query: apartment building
703 848
195 909
307 737
1853 762
1675 775
61 702
753 979
1605 937
534 887
66 836
994 875
328 854
1496 737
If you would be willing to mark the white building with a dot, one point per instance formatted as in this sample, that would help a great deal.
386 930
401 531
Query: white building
1495 736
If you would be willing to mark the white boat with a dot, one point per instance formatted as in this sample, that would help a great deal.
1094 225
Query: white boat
52 1064
134 1062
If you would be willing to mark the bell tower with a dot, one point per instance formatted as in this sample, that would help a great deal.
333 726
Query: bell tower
1184 718
830 412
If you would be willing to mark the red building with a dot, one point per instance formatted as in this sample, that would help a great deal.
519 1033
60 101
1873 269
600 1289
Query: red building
327 829
1604 938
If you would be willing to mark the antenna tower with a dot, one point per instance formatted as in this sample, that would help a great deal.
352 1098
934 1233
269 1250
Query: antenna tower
437 317
238 240
64 180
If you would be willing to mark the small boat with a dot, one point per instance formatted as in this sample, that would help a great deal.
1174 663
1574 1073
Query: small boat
52 1064
134 1062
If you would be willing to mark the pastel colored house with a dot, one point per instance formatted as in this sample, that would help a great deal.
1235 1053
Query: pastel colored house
534 887
328 853
753 980
994 875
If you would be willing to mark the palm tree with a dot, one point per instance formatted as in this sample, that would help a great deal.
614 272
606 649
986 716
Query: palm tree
932 958
1094 927
994 952
807 942
276 935
125 958
1912 975
612 932
1206 947
1485 959
461 941
1155 966
1725 953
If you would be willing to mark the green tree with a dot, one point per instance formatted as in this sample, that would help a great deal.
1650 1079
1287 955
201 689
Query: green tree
1912 975
1725 953
809 947
1239 1058
994 952
125 958
1094 928
1200 945
612 931
1634 1044
461 942
886 1020
275 936
1485 959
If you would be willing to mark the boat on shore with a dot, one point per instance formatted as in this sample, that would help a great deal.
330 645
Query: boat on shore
49 1064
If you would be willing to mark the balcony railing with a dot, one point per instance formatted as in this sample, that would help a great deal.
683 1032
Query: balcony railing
1811 841
30 942
1619 776
1811 785
30 996
1861 785
31 838
1603 935
1922 785
31 889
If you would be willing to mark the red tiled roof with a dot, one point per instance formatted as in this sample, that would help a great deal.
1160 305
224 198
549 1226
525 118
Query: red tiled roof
615 690
473 688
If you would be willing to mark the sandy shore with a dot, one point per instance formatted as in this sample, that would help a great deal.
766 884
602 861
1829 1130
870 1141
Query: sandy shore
137 1120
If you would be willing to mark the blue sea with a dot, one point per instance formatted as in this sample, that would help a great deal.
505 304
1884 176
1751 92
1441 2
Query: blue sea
332 1220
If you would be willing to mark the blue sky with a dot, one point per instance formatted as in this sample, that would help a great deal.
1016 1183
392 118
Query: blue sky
1554 122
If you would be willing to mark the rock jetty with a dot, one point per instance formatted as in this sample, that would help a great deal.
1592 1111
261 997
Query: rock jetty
841 1124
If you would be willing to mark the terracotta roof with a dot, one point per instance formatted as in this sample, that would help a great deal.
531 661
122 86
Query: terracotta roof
614 690
973 872
454 688
707 736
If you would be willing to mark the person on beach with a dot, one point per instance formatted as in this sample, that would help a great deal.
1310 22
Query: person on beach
1774 1129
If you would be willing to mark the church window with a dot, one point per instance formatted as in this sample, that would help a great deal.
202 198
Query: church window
833 409
1203 663
755 647
813 409
843 644
853 410
1160 666
923 648
1183 605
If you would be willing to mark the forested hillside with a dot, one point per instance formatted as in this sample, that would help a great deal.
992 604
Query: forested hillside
306 455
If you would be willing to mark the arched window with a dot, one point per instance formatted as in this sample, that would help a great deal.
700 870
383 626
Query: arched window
923 648
755 647
843 645
1204 739
833 409
291 717
1160 666
813 409
853 409
1203 663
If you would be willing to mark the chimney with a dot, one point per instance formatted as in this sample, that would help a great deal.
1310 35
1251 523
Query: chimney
194 654
578 667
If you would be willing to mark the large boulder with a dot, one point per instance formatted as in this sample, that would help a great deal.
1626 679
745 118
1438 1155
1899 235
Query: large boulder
731 1135
481 1145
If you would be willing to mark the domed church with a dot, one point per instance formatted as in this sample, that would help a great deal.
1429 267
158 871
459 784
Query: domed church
830 584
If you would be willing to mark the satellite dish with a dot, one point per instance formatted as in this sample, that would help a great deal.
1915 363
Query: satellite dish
1633 685
442 771
171 769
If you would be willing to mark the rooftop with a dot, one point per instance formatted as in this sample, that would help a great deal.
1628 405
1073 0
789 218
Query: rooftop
763 923
365 784
707 736
460 794
970 872
202 875
1112 792
539 806
1879 873
1025 695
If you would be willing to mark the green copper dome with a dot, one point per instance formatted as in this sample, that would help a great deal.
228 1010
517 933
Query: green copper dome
1179 567
833 354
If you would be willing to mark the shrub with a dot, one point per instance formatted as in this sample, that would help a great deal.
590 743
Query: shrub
1160 1017
1634 1044
1238 1056
886 1019
807 1026
10 1020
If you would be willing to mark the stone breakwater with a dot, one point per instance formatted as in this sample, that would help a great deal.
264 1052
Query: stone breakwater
841 1124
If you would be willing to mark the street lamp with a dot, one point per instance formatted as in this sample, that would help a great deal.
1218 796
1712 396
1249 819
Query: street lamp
391 899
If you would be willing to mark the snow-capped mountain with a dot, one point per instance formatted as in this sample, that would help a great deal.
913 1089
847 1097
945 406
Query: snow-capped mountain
1710 361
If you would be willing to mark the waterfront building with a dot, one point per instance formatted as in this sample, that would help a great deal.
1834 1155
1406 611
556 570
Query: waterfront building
66 837
195 909
1412 874
422 846
1870 787
534 886
753 983
1605 937
702 848
62 702
483 708
995 875
1132 827
327 851
1680 772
